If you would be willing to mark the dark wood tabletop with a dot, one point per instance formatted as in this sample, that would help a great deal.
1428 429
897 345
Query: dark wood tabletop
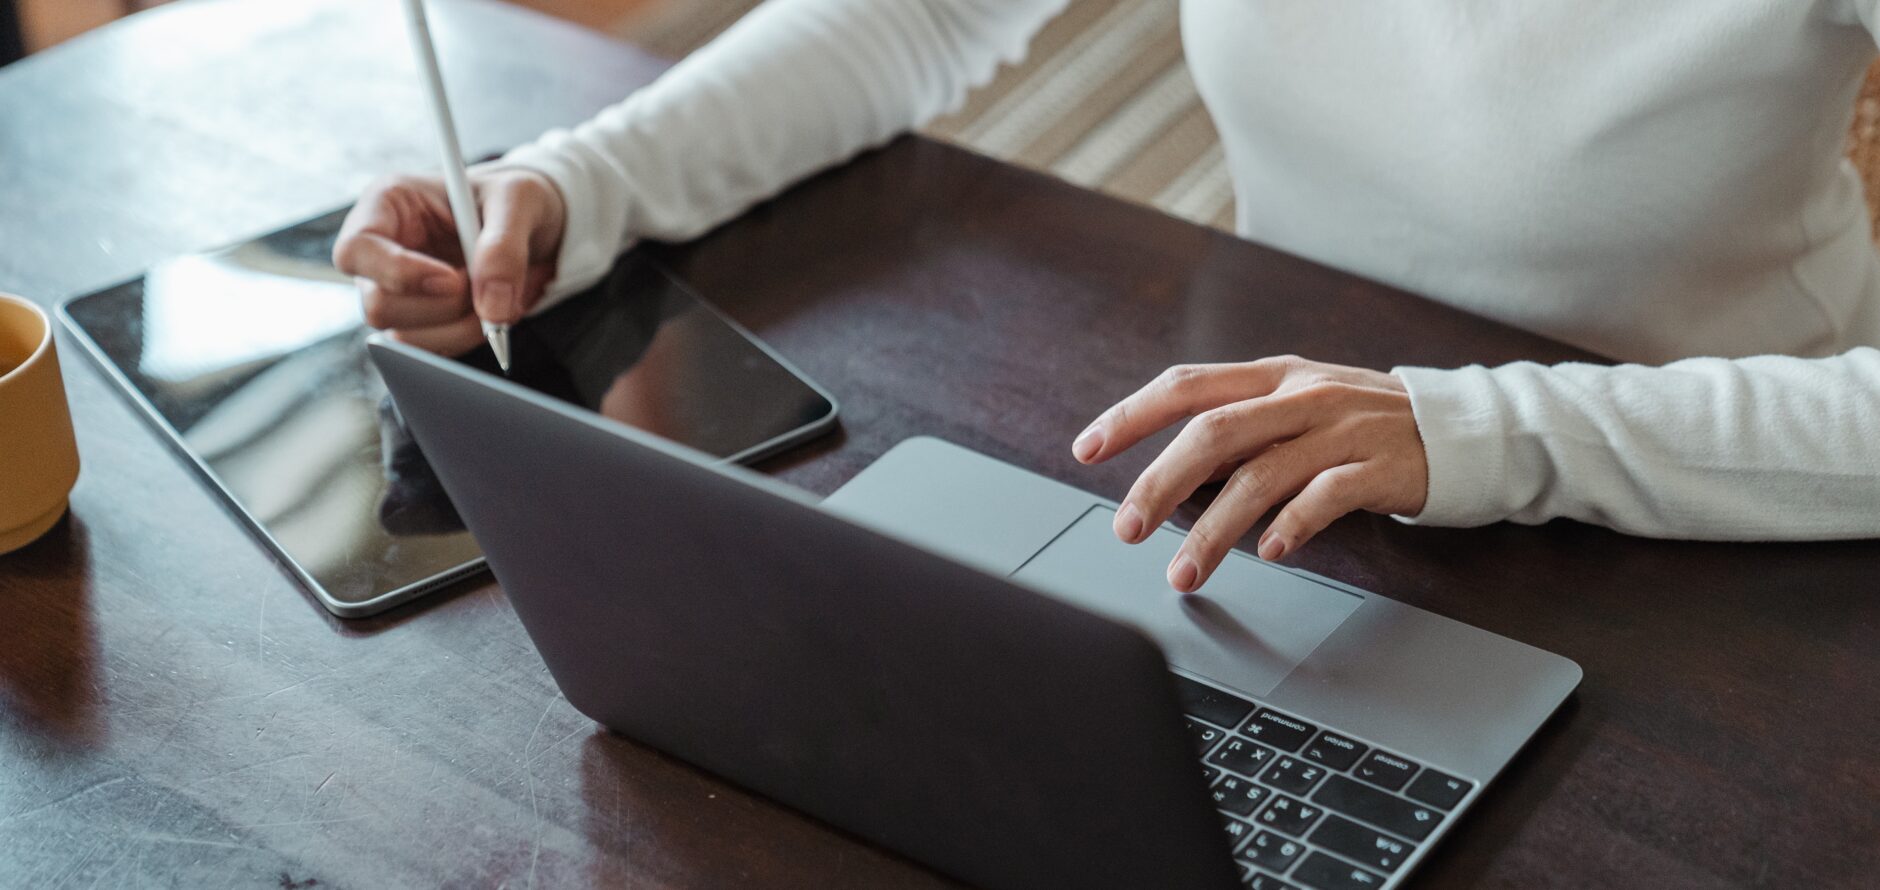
175 711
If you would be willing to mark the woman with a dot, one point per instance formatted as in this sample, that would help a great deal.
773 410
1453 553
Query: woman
1654 181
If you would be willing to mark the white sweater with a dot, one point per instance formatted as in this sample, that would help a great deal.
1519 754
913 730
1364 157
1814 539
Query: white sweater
1651 180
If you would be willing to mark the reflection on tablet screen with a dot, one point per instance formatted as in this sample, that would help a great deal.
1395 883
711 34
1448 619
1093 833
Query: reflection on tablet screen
641 350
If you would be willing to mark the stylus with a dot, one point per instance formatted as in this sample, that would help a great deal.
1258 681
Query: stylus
463 204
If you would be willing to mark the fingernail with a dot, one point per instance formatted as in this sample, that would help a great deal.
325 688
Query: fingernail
499 300
1183 573
1129 524
1088 443
440 286
1272 547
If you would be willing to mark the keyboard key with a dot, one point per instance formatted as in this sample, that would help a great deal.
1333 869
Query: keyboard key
1237 795
1237 831
1439 790
1260 881
1385 770
1289 815
1272 852
1325 873
1293 776
1213 705
1208 774
1241 756
1205 736
1278 730
1335 751
1360 844
1386 811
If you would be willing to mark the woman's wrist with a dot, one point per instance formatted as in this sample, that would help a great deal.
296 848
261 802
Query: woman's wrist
1465 444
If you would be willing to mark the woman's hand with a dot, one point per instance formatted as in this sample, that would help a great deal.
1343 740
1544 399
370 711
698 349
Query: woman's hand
1334 439
401 244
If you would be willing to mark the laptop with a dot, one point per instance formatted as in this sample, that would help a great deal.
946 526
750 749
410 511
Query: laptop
954 658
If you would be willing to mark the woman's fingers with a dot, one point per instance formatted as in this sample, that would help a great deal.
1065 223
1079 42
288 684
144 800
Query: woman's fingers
1324 493
400 244
1221 435
1251 490
398 270
451 338
516 210
1341 438
411 310
380 245
1179 392
399 211
1329 495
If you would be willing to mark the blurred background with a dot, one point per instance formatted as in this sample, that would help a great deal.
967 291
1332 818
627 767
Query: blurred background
1103 101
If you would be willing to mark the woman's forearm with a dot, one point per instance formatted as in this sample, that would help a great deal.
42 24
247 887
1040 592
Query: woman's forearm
795 87
1764 448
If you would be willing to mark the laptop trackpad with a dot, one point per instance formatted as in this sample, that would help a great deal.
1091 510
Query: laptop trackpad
1248 627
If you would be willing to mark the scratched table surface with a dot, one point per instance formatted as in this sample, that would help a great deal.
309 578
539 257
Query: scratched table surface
174 711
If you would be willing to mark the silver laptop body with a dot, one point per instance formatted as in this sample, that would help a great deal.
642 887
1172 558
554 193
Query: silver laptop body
954 658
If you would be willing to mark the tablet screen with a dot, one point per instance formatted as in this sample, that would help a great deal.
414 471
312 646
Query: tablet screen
252 358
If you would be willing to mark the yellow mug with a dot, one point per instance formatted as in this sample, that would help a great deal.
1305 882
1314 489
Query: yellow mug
38 455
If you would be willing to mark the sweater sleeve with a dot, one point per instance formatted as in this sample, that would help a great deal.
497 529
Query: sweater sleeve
1764 448
794 87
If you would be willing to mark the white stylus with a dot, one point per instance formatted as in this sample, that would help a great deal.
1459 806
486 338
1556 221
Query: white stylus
463 203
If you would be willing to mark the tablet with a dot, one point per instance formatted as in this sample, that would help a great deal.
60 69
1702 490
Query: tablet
251 361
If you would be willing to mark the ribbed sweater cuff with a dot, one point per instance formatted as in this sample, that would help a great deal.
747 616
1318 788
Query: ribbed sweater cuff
1464 429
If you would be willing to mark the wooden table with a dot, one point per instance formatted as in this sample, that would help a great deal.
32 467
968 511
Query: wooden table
175 711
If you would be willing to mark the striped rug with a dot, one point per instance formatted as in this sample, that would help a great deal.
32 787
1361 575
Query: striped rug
1103 100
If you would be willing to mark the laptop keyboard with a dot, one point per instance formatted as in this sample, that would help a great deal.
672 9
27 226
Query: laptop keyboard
1304 806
